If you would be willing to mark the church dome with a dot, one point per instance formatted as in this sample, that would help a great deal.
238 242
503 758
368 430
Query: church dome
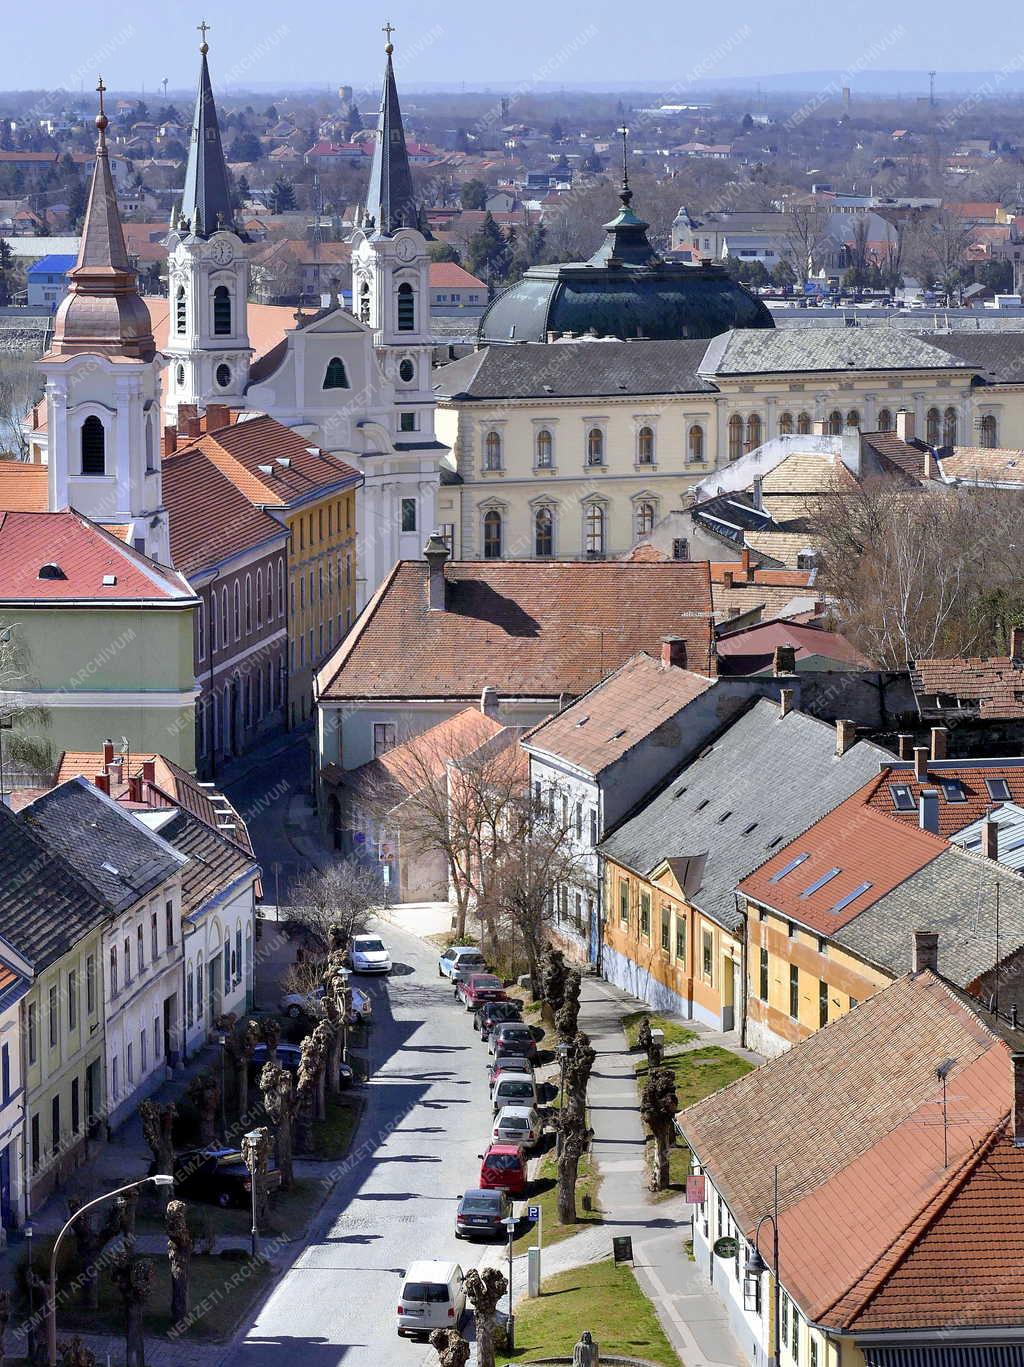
625 290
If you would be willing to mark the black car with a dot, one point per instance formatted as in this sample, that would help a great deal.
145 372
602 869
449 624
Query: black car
217 1175
495 1013
513 1037
288 1056
482 1211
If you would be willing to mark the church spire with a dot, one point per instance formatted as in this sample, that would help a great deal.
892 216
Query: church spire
389 198
626 242
206 199
102 310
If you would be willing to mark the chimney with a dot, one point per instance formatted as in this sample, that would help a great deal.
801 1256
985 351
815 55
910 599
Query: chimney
786 696
931 465
489 701
149 770
757 490
185 411
784 660
940 742
673 652
170 442
135 787
846 735
727 579
849 450
905 744
905 424
193 428
217 415
1017 643
102 782
108 752
819 427
746 567
1018 1099
928 810
435 553
990 838
926 950
920 762
116 772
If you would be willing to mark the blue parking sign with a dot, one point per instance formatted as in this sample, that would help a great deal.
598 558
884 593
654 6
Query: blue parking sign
533 1213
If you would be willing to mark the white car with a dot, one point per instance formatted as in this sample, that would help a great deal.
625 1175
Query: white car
362 1007
513 1089
298 1004
459 961
517 1125
369 954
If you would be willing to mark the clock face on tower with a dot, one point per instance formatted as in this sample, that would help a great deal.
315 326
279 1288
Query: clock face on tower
406 249
221 251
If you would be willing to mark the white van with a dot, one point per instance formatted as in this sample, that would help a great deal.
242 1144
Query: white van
432 1297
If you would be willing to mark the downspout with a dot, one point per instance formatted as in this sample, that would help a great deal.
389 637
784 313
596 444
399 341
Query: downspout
742 909
211 644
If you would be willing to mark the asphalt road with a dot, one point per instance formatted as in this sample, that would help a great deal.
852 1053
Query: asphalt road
427 1118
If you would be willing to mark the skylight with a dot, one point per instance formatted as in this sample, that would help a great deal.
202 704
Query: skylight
583 721
788 868
724 817
998 789
109 868
850 897
751 827
819 883
617 734
952 790
702 804
902 797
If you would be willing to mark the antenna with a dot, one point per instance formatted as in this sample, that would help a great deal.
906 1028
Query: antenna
996 1007
942 1072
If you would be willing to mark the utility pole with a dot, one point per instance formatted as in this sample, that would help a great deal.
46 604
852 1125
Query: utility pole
931 89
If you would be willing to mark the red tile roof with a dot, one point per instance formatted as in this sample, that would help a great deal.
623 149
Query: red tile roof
23 487
756 644
971 776
210 518
781 578
527 628
449 275
415 763
85 554
995 684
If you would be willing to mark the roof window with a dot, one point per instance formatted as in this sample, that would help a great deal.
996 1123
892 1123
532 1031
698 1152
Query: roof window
751 827
952 790
51 571
902 797
850 897
788 868
812 888
702 804
998 789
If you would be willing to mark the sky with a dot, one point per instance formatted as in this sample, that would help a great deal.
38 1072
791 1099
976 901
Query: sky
471 43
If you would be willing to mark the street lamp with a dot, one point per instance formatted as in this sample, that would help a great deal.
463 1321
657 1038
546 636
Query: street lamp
562 1050
344 974
222 1040
159 1179
755 1266
510 1329
250 1146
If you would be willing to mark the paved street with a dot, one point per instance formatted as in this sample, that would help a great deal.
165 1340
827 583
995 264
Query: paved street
426 1121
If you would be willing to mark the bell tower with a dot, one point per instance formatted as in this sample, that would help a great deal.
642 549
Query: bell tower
207 272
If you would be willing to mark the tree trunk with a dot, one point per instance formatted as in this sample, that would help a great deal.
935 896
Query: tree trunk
134 1339
568 1171
242 1086
283 1135
179 1255
660 1152
485 1336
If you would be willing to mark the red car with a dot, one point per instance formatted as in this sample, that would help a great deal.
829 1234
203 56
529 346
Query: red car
504 1167
480 988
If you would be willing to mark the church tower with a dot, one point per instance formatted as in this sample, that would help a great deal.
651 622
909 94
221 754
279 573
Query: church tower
391 272
207 272
103 382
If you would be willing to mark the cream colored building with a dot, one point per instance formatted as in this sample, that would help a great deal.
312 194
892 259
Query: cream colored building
576 449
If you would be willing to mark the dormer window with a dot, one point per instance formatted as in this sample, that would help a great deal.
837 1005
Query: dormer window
94 447
51 571
222 311
336 378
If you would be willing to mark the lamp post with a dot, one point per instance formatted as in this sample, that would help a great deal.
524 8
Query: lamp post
562 1050
250 1151
510 1328
344 974
222 1040
159 1179
755 1265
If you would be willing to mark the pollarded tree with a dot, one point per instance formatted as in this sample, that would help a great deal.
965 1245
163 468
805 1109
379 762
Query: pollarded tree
278 1093
240 1040
179 1255
256 1153
569 1012
310 1091
133 1278
485 1288
270 1028
158 1132
571 1122
92 1232
658 1107
451 1348
204 1093
554 976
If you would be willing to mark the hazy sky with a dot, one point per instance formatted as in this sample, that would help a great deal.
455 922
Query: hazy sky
63 43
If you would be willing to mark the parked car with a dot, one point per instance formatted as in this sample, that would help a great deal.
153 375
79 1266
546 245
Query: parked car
520 1125
362 1007
504 1166
513 1089
480 988
288 1056
369 954
217 1175
485 1017
508 1064
432 1297
458 960
299 1004
506 1048
482 1211
515 1033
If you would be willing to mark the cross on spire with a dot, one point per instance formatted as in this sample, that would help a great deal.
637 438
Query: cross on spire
388 29
100 88
204 29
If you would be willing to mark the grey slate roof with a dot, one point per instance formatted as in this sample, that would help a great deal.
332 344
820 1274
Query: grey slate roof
214 862
954 895
206 198
44 907
761 783
111 852
997 356
538 370
756 352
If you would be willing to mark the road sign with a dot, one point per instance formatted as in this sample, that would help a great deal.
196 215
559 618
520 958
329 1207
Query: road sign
533 1213
695 1189
622 1248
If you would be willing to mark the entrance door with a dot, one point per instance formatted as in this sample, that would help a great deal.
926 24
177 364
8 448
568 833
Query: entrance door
6 1214
213 971
92 1097
728 994
593 932
171 1029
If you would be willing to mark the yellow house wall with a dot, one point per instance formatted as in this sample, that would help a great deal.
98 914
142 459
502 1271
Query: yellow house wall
321 589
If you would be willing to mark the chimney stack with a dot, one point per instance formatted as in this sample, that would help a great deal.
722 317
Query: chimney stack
108 752
931 465
990 838
928 810
846 735
920 762
784 660
819 427
727 579
757 493
926 950
149 770
116 772
1017 643
1018 1099
435 553
673 652
940 742
905 424
102 782
786 696
217 415
135 787
489 701
193 428
746 566
170 442
905 745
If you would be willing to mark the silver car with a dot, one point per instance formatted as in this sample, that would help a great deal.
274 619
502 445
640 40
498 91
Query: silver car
517 1125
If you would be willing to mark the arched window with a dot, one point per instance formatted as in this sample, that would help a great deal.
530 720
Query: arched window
544 449
884 420
594 525
989 431
225 625
735 437
259 598
248 603
853 418
835 423
94 447
543 532
492 451
695 442
150 462
932 426
406 308
364 302
179 309
280 588
200 994
949 427
492 535
237 610
336 377
785 424
753 432
645 446
595 446
222 311
803 424
213 620
179 376
644 518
